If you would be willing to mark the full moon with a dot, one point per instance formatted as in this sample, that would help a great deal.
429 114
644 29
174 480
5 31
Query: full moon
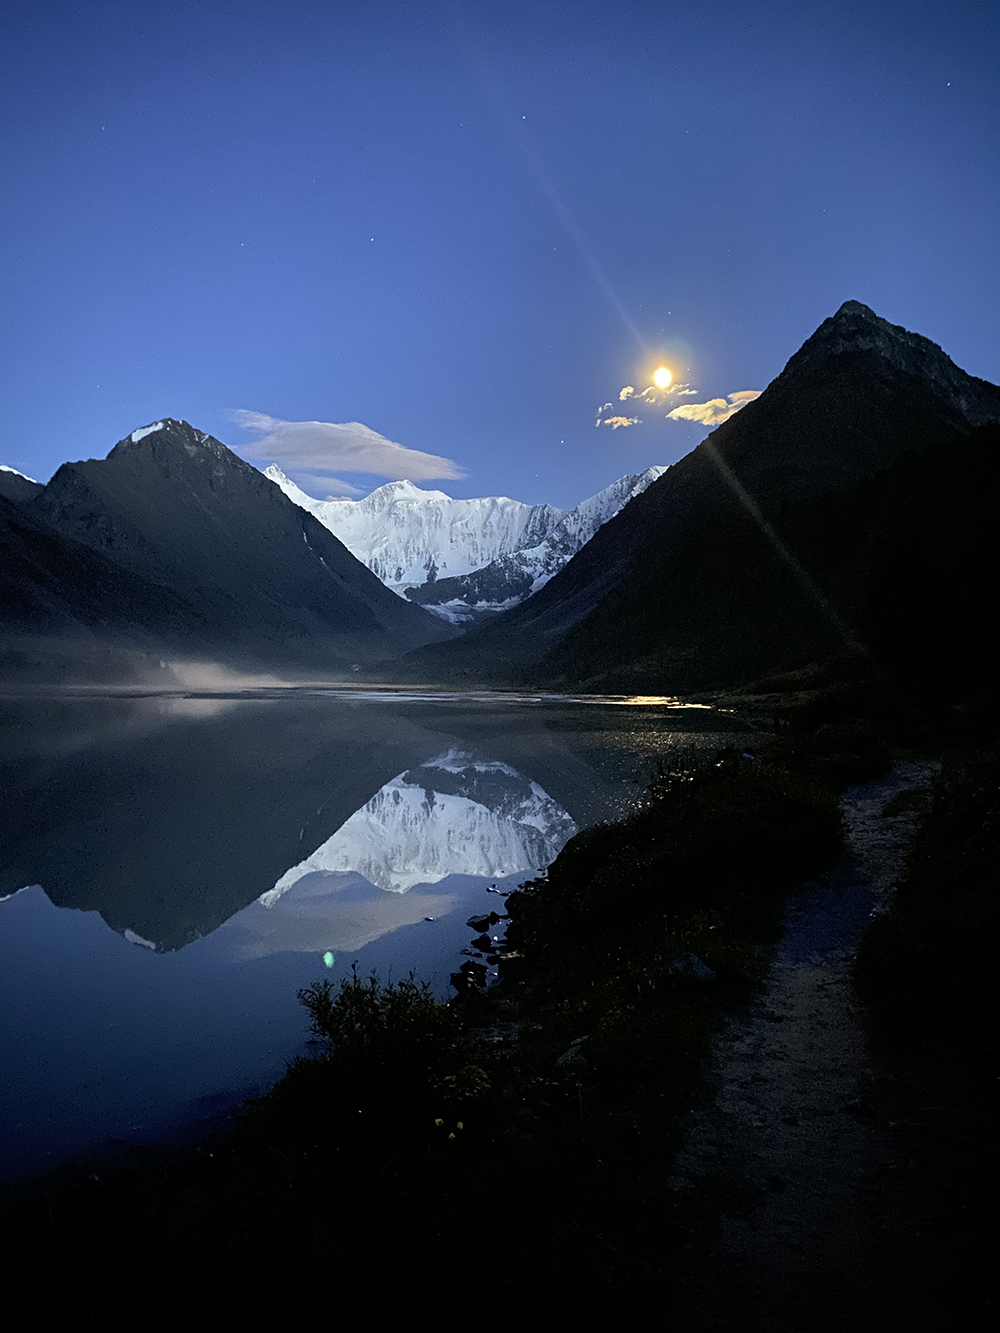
662 378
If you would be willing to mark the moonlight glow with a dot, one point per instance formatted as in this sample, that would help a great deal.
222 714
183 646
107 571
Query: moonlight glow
662 378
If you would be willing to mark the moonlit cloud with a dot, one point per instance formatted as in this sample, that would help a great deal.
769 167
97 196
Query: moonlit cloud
328 446
651 397
716 410
616 422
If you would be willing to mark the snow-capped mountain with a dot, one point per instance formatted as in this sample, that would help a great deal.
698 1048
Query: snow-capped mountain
511 578
408 536
455 815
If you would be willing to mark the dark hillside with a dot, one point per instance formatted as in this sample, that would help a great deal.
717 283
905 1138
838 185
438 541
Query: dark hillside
645 603
261 580
897 573
56 585
14 486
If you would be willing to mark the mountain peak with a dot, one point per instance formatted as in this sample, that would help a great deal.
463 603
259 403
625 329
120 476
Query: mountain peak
405 490
169 426
857 329
856 308
168 440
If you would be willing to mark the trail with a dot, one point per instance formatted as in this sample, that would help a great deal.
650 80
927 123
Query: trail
791 1173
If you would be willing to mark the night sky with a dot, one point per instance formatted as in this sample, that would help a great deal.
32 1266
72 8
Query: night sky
468 226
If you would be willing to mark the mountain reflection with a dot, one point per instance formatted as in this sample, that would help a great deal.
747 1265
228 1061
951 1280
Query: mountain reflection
171 816
454 815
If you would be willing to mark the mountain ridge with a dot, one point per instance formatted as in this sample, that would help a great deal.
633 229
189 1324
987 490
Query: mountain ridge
847 405
255 579
408 536
512 578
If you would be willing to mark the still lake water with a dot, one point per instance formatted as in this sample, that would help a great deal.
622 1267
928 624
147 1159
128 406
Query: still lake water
173 869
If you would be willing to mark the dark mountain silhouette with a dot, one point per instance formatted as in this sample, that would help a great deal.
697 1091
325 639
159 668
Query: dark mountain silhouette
17 487
190 548
67 612
699 582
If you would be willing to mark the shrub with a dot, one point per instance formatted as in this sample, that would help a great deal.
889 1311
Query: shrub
397 1032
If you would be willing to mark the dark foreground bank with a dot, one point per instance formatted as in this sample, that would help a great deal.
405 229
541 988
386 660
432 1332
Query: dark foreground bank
517 1146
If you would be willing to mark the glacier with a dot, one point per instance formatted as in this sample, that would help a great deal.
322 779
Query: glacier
463 559
408 536
511 578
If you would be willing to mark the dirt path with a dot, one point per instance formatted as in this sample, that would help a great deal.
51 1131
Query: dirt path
792 1171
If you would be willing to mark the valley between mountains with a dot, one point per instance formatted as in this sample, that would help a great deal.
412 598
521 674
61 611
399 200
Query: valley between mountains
839 523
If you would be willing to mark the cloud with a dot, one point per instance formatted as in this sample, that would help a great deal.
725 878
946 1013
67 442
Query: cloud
328 446
332 488
716 410
654 394
651 397
616 422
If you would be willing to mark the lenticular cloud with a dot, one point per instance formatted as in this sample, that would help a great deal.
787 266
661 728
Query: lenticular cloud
716 410
329 446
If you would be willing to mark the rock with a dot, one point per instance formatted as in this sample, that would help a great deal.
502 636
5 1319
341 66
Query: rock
469 977
689 965
483 942
482 922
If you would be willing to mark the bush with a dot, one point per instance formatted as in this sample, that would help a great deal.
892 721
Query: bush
393 1062
396 1033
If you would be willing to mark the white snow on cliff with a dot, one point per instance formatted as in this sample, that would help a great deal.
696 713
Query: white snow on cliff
5 468
138 435
510 579
413 538
406 535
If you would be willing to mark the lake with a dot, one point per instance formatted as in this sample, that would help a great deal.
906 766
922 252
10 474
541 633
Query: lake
174 868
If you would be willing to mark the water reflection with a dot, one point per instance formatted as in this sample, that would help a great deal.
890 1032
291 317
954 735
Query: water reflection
231 844
455 814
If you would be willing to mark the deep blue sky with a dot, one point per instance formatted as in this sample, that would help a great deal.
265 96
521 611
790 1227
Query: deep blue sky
190 193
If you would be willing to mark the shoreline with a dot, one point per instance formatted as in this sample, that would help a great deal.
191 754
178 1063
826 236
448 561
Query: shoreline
580 1116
